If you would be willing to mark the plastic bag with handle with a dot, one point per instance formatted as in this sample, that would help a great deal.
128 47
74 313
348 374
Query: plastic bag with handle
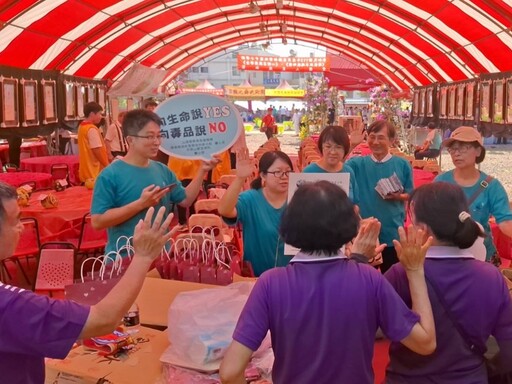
201 325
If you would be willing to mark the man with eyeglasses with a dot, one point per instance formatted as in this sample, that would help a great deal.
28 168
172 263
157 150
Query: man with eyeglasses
368 170
92 151
129 186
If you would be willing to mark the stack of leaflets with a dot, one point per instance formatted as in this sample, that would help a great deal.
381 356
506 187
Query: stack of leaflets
389 185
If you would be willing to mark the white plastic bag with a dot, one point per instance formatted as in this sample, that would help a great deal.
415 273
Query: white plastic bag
201 325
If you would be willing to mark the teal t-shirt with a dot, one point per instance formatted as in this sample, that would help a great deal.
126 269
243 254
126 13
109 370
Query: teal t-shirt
492 201
353 190
390 213
121 183
260 224
436 142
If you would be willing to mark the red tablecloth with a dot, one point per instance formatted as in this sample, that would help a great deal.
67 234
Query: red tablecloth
61 223
502 242
36 148
44 164
421 177
43 180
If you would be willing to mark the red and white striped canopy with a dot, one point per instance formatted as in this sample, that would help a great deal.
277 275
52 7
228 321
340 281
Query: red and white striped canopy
406 42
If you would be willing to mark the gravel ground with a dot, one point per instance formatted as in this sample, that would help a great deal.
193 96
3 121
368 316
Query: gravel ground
497 159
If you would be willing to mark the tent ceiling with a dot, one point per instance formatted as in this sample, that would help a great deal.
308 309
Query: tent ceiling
406 43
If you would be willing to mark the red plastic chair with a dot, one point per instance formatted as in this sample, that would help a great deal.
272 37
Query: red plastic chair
60 172
91 241
55 268
28 247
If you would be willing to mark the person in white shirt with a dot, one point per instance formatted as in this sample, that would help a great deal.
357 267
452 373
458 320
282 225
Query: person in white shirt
114 139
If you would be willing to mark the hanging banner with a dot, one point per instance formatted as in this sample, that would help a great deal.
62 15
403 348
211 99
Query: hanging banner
284 92
283 64
244 93
214 91
198 125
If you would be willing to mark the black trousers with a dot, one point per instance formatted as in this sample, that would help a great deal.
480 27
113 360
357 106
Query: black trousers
182 212
389 258
269 133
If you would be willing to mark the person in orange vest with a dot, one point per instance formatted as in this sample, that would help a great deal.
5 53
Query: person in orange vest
185 170
92 151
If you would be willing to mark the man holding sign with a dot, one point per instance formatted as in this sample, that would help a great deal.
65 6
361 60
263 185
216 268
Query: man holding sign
128 187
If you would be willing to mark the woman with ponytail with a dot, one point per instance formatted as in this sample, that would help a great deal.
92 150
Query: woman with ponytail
259 209
470 300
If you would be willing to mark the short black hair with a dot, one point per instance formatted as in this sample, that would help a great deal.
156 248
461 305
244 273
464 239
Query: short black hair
7 192
438 205
319 218
266 161
92 107
135 120
379 125
431 125
336 134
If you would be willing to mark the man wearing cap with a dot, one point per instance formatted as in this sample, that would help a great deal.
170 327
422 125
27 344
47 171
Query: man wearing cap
268 124
485 194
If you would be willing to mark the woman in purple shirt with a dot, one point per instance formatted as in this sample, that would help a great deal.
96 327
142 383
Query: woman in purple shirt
469 298
323 309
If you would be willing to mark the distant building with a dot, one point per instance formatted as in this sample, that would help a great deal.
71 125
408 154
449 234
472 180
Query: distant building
221 69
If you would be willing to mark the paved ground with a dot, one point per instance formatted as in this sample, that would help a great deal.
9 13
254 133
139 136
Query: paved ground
498 159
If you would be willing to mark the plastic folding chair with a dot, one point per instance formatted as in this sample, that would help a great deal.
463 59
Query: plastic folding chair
91 242
55 268
207 206
28 246
208 224
60 172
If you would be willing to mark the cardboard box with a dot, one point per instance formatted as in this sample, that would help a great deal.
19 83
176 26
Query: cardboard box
140 365
156 297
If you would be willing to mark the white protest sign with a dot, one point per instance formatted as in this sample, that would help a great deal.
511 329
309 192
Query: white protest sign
198 125
342 180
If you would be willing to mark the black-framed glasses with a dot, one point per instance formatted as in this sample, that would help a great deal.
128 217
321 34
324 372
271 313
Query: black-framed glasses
462 148
280 174
148 137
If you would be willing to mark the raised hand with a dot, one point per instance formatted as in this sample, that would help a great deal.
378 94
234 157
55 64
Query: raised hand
412 247
244 165
151 235
367 238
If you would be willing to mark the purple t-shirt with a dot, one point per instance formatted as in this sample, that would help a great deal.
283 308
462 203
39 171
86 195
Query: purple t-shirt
478 298
33 327
323 316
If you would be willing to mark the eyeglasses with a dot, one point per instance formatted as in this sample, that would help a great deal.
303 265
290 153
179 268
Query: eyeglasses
280 174
463 148
148 138
335 148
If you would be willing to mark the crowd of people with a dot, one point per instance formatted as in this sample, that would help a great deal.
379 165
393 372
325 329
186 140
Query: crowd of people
323 307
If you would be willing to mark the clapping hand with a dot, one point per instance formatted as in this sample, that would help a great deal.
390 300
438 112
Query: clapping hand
412 248
244 165
367 238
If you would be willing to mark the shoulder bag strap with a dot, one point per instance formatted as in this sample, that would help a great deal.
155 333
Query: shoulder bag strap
473 347
483 185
